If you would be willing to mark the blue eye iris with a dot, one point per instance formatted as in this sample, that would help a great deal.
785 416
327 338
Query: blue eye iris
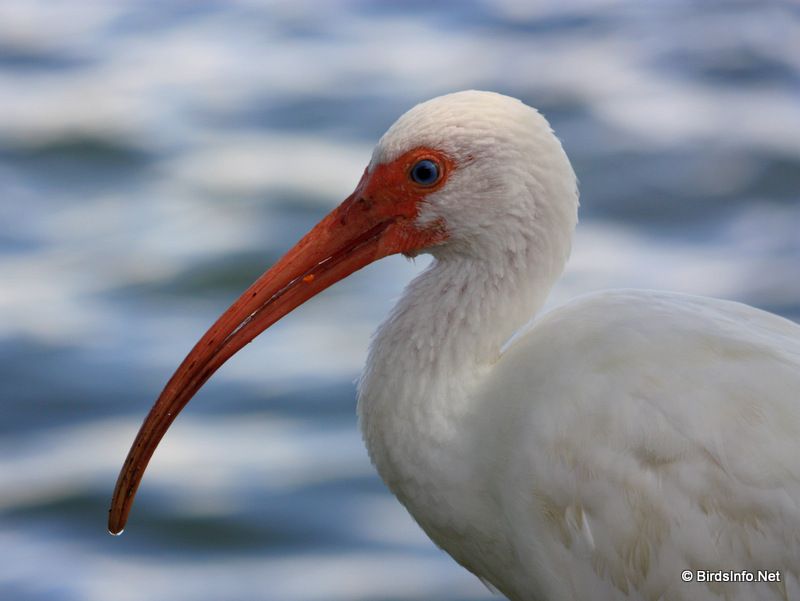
425 172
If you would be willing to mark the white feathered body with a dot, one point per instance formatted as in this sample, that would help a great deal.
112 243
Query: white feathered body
620 440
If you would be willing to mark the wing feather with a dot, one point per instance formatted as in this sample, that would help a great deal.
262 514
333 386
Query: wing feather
663 434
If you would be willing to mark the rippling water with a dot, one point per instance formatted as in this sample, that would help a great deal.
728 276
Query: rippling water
155 158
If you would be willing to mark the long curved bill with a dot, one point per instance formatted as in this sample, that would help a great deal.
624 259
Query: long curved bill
368 225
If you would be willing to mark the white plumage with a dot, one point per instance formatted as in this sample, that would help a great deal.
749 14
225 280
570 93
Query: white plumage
621 440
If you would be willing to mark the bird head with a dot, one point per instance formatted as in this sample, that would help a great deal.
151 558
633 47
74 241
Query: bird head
467 174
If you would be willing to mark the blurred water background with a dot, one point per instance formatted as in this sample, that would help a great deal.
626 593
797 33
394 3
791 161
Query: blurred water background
156 157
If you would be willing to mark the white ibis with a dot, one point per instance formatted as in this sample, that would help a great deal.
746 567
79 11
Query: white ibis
628 445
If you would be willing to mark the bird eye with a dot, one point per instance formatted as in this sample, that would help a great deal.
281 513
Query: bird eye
425 173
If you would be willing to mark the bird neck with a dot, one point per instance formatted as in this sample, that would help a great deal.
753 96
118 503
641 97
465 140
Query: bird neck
429 357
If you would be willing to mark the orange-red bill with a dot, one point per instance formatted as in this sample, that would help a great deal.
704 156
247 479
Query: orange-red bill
377 220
